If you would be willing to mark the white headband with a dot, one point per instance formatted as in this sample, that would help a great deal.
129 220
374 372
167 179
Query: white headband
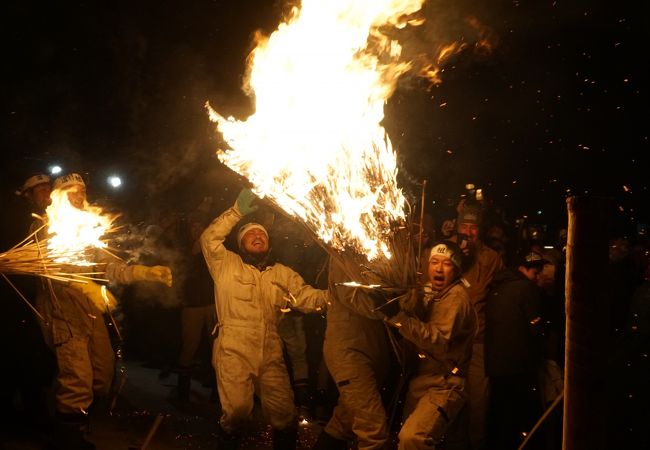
72 179
249 226
33 181
444 250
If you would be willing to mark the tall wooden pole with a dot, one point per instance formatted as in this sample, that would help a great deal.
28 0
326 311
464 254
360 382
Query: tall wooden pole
585 405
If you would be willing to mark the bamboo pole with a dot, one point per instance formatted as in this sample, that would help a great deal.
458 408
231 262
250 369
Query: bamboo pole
152 431
585 409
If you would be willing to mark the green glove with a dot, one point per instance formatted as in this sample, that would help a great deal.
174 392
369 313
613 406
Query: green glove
244 202
160 274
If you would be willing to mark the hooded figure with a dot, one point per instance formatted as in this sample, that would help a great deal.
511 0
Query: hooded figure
247 354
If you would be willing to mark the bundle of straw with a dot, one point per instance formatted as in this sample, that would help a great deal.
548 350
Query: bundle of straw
32 256
395 275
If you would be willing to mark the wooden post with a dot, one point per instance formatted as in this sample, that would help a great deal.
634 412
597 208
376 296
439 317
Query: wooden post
585 404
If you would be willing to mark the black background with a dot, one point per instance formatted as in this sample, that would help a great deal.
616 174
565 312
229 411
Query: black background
558 107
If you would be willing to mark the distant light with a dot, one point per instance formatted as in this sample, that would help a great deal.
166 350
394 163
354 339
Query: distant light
55 170
539 212
549 247
114 181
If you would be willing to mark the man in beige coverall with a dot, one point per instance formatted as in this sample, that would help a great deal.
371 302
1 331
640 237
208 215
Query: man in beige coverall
443 337
357 354
74 328
247 355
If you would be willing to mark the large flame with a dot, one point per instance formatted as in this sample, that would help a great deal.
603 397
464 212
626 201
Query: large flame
315 144
73 230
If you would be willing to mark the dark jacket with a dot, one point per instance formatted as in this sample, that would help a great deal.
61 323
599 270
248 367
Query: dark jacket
513 331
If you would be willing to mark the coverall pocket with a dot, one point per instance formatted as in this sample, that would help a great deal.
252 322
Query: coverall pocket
61 332
244 288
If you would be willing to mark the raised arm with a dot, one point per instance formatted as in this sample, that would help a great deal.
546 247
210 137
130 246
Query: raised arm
215 234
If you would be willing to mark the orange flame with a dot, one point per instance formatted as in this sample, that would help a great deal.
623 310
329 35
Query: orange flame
432 70
72 230
315 144
486 42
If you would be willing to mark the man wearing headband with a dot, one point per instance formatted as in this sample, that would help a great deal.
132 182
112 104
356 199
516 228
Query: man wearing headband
75 329
442 335
247 356
36 189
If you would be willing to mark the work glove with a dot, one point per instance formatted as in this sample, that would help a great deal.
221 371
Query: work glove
97 293
244 202
160 274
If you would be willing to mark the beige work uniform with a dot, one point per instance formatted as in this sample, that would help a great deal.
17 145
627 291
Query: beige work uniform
356 352
247 354
74 328
436 393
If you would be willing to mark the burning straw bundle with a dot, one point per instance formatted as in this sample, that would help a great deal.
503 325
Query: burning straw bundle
59 249
394 272
315 146
36 257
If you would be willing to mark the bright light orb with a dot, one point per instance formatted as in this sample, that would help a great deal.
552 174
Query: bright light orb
114 181
55 170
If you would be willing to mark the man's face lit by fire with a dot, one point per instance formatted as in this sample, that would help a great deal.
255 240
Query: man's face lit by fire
442 272
255 242
471 230
77 196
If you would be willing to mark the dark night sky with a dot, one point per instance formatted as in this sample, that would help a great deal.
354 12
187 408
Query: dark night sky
560 103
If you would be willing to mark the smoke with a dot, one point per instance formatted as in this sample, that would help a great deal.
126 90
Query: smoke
151 245
448 32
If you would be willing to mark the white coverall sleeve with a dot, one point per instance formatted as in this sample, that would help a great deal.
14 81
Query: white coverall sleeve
308 299
215 234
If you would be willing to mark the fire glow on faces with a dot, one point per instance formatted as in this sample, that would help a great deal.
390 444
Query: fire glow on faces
315 144
255 242
471 230
442 272
77 196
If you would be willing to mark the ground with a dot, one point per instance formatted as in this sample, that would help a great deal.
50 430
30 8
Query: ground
184 425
